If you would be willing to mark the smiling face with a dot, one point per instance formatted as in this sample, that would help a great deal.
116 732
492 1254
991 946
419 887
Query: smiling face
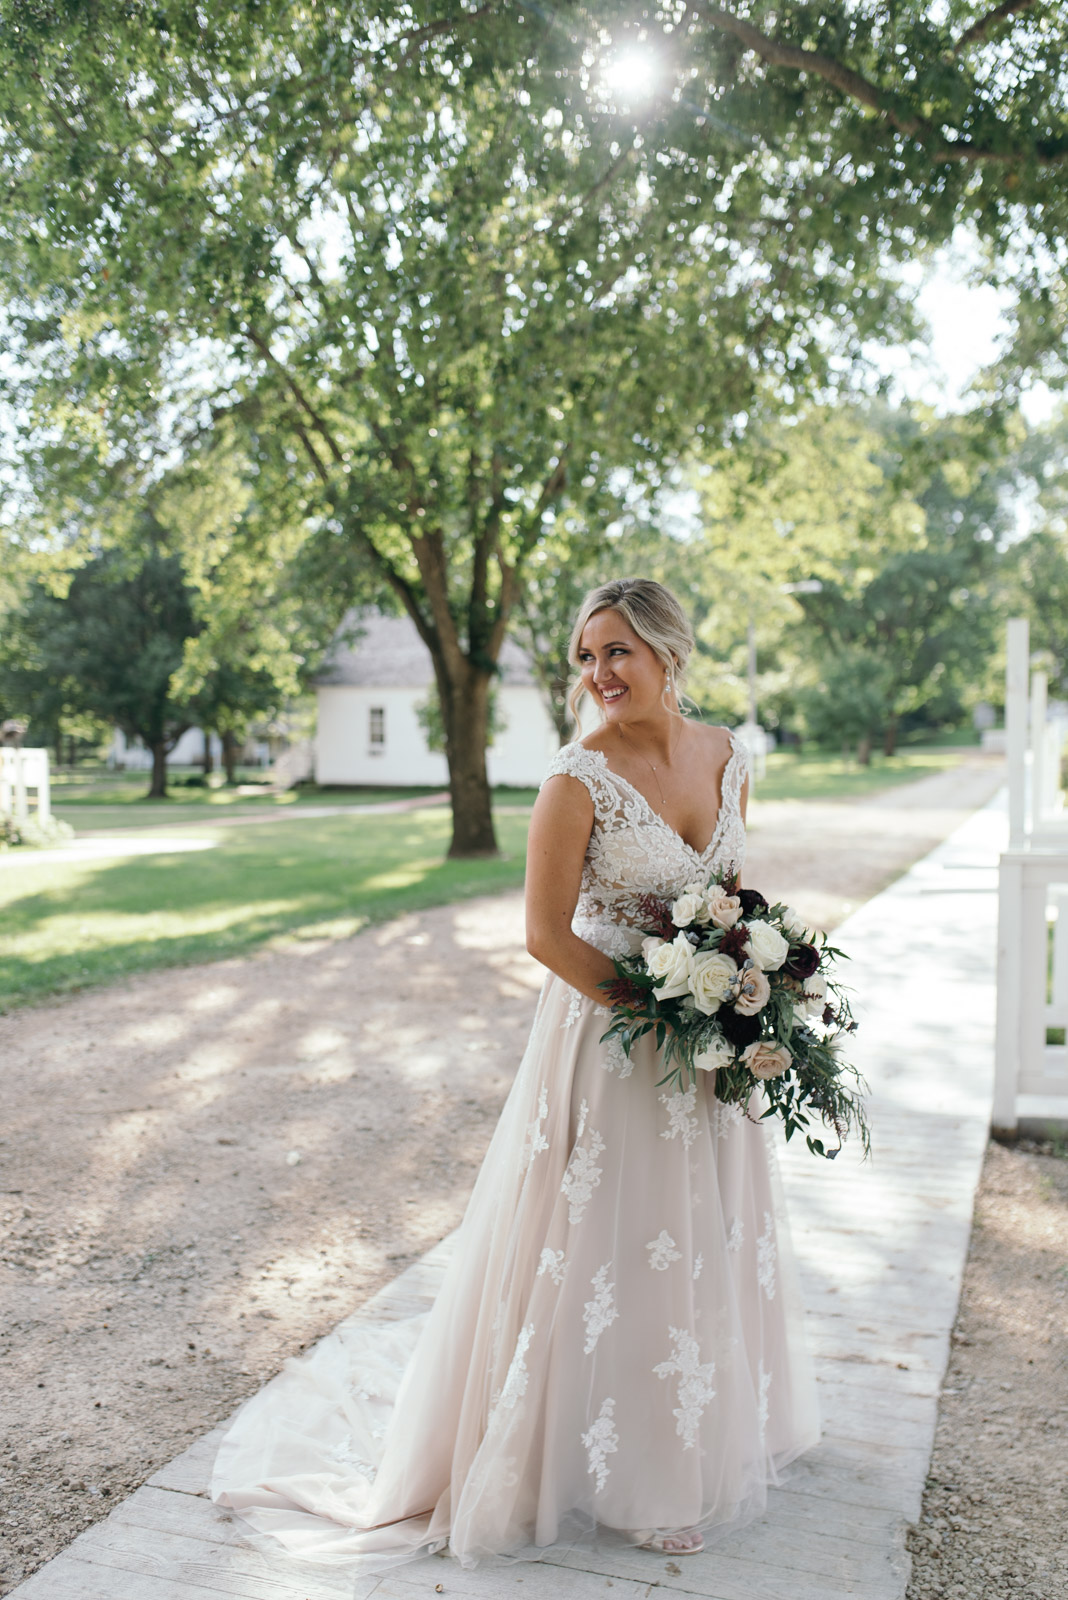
622 673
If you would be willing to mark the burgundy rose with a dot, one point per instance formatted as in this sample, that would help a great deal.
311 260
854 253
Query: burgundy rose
734 941
802 961
738 1029
752 900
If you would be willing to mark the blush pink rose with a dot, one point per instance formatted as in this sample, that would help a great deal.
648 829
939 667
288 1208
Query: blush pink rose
754 991
723 909
766 1060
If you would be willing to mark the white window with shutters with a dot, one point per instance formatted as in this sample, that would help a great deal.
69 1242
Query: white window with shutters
377 731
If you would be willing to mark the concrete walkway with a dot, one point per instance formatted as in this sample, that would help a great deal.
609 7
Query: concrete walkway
882 1249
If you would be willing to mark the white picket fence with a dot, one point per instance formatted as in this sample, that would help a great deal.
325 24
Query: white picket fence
20 772
1031 1081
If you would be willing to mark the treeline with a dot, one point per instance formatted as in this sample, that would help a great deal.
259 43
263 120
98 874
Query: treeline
875 553
189 615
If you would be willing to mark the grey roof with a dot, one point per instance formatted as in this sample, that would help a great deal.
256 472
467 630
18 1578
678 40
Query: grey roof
388 653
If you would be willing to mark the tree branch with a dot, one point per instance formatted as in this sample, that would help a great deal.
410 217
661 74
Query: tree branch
1046 152
322 471
256 338
985 24
404 591
486 539
843 78
509 592
432 29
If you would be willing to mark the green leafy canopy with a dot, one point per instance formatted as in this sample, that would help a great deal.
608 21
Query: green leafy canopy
449 278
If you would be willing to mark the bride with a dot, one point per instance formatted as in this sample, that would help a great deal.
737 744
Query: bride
615 1352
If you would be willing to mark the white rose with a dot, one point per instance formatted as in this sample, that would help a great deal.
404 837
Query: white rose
649 944
686 908
793 924
713 975
723 909
716 1053
767 946
814 997
672 966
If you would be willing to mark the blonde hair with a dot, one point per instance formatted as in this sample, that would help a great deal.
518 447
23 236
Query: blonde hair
655 616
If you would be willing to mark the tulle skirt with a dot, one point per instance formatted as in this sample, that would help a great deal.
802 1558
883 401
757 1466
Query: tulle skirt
616 1347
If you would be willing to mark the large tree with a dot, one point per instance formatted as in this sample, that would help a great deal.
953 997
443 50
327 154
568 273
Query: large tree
453 266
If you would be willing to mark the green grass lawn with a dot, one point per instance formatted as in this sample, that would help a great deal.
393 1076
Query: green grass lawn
819 776
67 924
100 800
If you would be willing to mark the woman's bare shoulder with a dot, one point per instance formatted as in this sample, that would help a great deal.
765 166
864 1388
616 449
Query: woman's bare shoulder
713 743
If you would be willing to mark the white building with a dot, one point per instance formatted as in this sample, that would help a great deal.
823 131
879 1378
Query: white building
369 732
132 756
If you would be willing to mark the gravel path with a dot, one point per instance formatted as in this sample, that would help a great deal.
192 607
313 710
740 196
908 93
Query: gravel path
203 1169
995 1512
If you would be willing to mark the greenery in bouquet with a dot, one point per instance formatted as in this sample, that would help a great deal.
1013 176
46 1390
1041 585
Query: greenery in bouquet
732 985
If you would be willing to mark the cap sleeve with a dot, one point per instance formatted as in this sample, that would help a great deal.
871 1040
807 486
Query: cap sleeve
737 771
591 769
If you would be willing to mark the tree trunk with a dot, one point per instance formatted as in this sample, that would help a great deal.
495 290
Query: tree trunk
465 712
229 754
158 787
864 751
207 761
560 711
890 737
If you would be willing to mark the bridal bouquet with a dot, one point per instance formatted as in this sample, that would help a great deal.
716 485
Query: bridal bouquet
733 985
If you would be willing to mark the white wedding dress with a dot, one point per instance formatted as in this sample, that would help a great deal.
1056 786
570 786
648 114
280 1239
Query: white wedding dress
617 1344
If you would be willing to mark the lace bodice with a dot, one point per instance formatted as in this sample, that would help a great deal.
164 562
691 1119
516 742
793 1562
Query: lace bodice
633 852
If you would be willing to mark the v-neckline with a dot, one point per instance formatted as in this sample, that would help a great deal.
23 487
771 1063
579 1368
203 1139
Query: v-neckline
675 834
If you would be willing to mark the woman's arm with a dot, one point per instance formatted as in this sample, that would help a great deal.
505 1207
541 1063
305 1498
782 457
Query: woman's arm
556 848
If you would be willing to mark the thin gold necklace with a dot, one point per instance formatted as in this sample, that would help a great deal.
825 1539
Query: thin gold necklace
651 764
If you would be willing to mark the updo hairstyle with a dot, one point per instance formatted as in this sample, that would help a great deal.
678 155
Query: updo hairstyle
655 616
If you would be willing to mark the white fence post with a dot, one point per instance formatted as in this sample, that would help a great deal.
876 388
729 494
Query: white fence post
1016 668
21 807
1059 976
1007 1032
44 790
22 769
